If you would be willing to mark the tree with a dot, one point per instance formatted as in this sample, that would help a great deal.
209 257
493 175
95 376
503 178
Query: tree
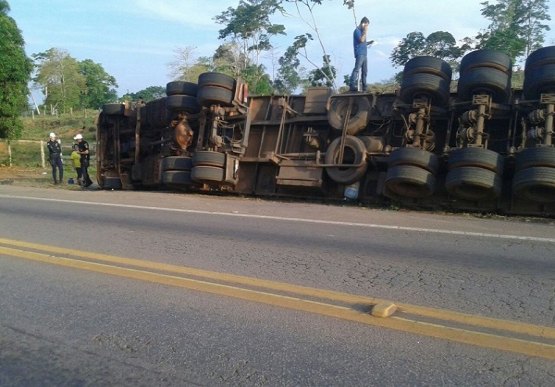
299 46
250 28
99 85
59 76
15 72
439 44
516 26
149 94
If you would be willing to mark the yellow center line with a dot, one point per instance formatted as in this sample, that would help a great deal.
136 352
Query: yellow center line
489 340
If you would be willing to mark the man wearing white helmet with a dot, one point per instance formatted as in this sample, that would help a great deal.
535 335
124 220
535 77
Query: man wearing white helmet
55 157
85 158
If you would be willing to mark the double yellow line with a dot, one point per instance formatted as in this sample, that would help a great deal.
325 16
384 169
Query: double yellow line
527 339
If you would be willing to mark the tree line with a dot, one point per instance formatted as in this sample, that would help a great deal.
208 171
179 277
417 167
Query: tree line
516 27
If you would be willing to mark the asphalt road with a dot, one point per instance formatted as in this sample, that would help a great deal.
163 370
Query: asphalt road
69 326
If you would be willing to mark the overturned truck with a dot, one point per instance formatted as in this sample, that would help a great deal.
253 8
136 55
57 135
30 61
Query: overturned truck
485 147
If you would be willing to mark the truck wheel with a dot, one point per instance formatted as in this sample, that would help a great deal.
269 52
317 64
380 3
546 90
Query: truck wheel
113 109
358 119
486 58
432 86
176 163
214 95
414 156
185 103
428 65
176 178
216 79
536 184
354 153
540 57
475 157
181 87
209 158
535 157
540 80
471 183
204 173
410 181
486 80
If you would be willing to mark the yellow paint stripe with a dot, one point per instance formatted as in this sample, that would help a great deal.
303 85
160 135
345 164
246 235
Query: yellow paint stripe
438 314
525 347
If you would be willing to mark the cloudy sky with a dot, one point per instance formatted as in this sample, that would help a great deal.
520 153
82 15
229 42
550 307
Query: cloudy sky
135 40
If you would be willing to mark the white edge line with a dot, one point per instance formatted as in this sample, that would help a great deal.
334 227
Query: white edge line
299 220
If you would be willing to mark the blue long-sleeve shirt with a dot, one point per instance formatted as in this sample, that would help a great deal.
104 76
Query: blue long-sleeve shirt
360 48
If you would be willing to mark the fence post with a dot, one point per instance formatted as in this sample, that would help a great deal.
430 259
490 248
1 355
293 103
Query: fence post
42 154
10 153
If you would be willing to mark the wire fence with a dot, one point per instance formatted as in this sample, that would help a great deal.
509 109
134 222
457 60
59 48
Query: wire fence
31 153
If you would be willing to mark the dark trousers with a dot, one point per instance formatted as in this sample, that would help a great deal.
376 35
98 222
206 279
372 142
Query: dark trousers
79 174
84 170
361 65
57 164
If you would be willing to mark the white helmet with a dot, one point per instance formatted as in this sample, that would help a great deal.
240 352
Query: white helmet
78 136
52 135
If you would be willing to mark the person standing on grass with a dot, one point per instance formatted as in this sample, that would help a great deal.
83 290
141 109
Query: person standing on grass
55 157
83 147
76 161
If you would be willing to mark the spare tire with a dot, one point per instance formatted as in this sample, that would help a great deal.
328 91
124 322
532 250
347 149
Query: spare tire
358 119
354 153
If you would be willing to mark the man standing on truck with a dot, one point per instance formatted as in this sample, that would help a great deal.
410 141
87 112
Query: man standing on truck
55 157
85 158
361 63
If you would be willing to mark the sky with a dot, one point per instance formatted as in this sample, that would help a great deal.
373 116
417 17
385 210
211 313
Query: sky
136 40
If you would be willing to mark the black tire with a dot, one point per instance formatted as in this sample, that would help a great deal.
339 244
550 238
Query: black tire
475 157
358 119
472 183
540 57
113 109
204 173
410 181
176 163
186 103
209 158
414 156
431 86
214 95
111 182
181 87
354 153
171 178
541 80
535 157
484 80
428 65
486 58
536 184
216 79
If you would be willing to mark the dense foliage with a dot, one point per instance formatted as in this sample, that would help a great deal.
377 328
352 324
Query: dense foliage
15 72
